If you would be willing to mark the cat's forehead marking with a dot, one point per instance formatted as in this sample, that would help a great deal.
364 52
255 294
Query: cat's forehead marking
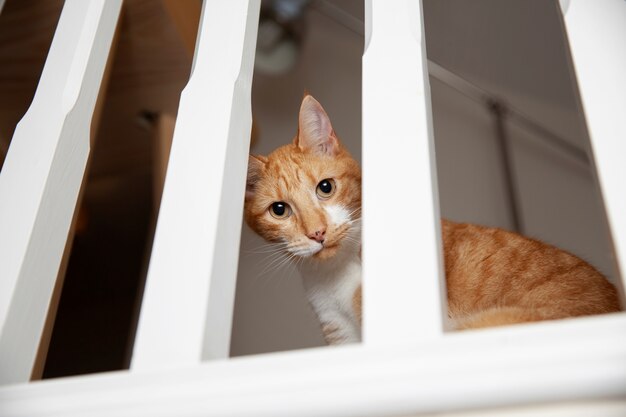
283 185
292 179
298 177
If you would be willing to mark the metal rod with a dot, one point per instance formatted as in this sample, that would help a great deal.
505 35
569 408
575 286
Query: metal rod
508 166
480 95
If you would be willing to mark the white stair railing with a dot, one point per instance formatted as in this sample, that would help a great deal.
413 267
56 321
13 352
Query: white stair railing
42 176
187 308
596 32
404 295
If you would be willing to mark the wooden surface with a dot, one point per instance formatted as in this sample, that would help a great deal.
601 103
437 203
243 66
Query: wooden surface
152 66
42 177
185 16
78 223
186 312
582 359
26 29
403 300
93 314
596 36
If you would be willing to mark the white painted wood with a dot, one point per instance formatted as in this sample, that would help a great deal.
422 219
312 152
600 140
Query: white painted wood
603 408
403 285
42 175
571 360
597 38
186 313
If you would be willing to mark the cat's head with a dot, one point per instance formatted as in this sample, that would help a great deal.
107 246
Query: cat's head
306 195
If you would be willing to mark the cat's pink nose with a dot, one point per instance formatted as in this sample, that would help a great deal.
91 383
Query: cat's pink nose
318 235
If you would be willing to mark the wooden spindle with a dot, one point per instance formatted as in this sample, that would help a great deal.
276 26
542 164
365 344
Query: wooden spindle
596 32
42 176
404 296
186 313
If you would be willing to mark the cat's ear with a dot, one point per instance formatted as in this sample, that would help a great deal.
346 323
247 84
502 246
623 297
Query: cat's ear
315 133
256 164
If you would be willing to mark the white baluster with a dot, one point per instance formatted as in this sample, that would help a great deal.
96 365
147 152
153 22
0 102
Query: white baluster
596 31
187 307
42 175
403 287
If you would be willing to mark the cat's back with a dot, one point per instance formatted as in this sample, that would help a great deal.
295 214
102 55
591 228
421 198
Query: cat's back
489 267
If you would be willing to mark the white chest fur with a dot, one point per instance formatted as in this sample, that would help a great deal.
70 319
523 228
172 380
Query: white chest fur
330 288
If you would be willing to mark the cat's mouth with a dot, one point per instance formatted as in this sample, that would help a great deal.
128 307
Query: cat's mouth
327 250
330 247
321 250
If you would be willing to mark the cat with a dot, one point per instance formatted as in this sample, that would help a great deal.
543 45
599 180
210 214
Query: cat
306 198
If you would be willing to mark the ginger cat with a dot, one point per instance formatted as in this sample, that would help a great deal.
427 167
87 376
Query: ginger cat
306 198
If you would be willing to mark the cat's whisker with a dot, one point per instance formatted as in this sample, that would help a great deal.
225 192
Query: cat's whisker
270 250
271 245
354 211
353 243
268 259
274 250
271 266
279 259
286 260
299 262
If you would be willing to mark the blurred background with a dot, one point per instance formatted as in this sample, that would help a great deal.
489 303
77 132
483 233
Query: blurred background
511 143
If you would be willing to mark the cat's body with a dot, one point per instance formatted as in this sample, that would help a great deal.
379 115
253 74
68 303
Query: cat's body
495 277
306 197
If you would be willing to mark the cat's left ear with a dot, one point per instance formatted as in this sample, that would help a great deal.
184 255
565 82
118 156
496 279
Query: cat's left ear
315 133
256 164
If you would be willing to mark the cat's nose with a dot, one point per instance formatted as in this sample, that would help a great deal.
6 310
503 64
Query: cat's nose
319 235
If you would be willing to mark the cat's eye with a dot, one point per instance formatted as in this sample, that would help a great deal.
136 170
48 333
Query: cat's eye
280 210
325 188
